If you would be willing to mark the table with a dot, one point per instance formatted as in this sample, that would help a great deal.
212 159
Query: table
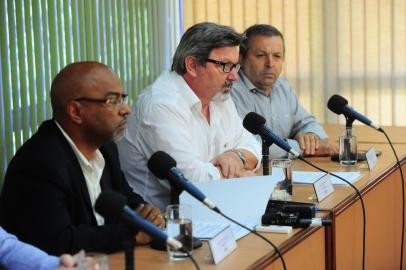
335 247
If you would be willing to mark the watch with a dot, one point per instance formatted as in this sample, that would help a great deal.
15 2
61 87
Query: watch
241 155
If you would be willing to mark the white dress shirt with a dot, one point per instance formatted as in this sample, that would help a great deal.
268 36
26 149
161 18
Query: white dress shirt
167 117
92 171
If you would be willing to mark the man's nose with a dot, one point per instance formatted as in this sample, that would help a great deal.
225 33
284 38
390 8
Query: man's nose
233 75
269 61
124 109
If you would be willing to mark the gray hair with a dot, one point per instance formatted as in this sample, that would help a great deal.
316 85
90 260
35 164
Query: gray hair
199 40
259 30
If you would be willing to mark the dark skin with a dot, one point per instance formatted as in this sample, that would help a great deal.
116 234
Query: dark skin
90 124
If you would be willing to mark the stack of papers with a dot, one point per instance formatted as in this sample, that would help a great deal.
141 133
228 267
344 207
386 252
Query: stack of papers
243 199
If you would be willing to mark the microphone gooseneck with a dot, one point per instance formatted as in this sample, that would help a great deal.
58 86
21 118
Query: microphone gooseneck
339 105
163 166
113 204
255 124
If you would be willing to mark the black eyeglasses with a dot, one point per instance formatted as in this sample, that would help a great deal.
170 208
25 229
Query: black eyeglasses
111 98
227 66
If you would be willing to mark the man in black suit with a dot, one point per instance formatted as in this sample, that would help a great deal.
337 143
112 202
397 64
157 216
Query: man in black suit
54 179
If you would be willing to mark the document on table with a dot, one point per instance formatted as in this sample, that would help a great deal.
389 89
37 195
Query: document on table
301 177
243 199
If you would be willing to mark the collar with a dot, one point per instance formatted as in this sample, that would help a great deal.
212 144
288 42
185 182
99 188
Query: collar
186 92
84 162
251 87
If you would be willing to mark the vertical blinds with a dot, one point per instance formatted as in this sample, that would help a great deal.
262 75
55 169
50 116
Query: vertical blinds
355 48
38 38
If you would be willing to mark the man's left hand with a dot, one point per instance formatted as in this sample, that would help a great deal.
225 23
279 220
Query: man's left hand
153 215
308 142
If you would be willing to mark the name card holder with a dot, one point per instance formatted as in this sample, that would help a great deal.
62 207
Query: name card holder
222 244
323 187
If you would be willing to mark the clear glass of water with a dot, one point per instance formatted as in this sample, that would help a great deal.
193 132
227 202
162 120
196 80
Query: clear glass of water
179 226
93 260
284 189
348 147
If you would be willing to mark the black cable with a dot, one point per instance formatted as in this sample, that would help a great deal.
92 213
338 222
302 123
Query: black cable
257 234
191 258
361 200
403 199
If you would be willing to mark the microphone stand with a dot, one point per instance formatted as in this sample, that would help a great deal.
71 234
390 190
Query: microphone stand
348 133
265 157
129 246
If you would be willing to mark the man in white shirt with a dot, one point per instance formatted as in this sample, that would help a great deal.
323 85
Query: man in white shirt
187 113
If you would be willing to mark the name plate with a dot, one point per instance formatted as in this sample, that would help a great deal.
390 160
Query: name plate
372 160
222 244
323 187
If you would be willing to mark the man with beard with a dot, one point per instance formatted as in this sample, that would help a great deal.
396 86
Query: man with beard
187 113
260 89
54 179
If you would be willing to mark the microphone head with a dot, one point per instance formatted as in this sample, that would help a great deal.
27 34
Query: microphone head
160 163
253 122
337 103
110 204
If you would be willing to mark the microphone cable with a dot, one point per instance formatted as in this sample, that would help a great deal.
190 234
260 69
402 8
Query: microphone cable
257 234
361 200
403 199
191 258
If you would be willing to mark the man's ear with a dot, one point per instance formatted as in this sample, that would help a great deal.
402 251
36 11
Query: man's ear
73 110
191 66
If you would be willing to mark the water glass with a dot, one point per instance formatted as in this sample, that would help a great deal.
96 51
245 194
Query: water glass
92 261
179 226
284 189
348 146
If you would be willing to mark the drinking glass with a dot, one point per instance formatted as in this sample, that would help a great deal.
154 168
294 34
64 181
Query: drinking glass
284 189
348 147
179 226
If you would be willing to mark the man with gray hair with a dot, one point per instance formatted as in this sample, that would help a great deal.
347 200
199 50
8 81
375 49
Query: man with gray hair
260 89
187 113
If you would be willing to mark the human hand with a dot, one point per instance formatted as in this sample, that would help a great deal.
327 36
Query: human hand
153 215
308 142
326 149
79 261
229 164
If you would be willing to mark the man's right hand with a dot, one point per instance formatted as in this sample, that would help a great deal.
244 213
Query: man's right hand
229 164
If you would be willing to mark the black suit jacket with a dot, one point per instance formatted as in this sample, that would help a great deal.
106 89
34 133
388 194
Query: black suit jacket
45 200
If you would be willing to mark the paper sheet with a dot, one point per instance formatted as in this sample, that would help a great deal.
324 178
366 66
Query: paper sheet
242 199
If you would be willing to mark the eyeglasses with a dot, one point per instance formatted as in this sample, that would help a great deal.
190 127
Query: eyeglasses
227 66
111 98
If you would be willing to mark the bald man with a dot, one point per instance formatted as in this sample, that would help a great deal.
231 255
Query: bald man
52 182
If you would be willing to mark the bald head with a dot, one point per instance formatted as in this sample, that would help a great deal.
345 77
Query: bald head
74 81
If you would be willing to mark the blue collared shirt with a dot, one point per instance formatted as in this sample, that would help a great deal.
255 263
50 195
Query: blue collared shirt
15 254
283 113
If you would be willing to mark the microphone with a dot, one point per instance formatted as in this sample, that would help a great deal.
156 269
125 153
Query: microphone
255 124
163 166
339 105
113 204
